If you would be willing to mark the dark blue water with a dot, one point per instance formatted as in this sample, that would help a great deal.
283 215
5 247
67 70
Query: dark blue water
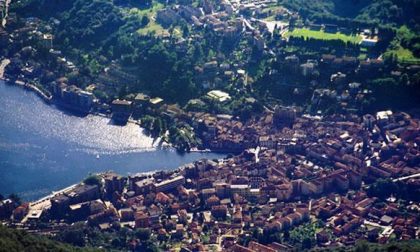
44 149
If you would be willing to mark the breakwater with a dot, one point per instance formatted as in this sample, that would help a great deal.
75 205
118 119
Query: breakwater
44 95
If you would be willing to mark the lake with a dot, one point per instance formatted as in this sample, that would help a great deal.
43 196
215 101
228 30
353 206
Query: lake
43 148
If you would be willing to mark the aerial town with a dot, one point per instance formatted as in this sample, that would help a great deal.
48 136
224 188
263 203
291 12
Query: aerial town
321 136
294 171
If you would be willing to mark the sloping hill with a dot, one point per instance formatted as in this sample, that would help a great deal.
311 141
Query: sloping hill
384 12
16 240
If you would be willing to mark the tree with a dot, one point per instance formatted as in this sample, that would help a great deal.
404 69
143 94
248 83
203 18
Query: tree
15 198
74 235
93 180
143 234
382 189
145 20
362 247
18 240
117 242
306 243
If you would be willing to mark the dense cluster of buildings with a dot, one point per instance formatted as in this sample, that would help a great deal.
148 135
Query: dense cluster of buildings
295 170
70 96
289 170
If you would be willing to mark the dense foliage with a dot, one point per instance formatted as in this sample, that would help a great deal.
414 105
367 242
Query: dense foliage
95 21
384 12
406 246
16 240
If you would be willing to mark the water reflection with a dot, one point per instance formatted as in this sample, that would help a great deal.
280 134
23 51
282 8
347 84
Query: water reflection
44 149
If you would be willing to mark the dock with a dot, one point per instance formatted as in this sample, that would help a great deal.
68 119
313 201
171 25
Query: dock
31 87
47 98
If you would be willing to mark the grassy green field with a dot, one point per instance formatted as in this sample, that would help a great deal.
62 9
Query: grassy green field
404 55
321 35
152 26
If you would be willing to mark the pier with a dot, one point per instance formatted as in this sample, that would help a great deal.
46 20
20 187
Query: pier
46 97
31 87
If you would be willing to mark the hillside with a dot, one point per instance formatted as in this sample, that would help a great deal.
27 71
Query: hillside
399 16
383 12
16 240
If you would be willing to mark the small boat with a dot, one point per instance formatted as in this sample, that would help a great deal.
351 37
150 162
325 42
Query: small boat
97 156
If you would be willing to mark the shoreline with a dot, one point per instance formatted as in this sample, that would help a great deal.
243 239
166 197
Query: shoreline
50 101
31 87
28 86
3 65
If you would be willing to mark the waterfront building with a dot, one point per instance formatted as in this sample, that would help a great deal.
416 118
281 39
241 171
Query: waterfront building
114 183
121 111
72 97
169 184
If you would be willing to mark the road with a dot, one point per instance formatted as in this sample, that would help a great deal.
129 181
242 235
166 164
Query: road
406 177
45 202
4 21
386 230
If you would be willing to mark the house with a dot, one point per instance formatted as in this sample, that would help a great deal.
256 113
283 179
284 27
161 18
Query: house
141 102
368 42
81 211
322 237
284 191
144 186
121 111
47 41
219 96
126 214
242 190
141 220
267 141
170 184
104 217
257 247
20 212
74 98
179 231
383 117
156 102
83 192
284 117
59 205
6 208
386 220
219 212
307 69
114 183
